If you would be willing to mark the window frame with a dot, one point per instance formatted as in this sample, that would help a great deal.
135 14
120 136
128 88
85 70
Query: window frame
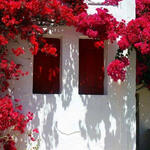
106 47
60 69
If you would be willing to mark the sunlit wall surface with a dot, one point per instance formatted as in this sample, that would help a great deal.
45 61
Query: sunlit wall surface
73 121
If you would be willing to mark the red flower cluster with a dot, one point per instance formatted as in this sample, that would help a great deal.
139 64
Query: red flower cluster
8 70
3 40
111 2
116 69
9 117
18 51
100 25
142 8
78 6
137 33
99 44
49 49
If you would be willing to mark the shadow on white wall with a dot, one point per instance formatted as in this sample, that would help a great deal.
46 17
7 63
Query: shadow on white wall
78 122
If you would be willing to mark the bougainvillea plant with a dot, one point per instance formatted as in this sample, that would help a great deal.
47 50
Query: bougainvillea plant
25 18
136 36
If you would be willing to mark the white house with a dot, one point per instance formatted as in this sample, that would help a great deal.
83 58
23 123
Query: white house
72 121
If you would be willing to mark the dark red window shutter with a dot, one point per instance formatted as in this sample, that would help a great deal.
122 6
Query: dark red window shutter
91 68
46 71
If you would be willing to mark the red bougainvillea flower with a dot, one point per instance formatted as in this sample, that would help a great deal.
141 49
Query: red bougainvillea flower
10 117
116 69
18 51
3 40
111 2
36 130
49 49
33 139
99 44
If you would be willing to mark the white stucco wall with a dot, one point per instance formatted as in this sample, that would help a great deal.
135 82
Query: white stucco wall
69 121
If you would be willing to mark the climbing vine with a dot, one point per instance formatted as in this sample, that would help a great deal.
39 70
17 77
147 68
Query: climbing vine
26 18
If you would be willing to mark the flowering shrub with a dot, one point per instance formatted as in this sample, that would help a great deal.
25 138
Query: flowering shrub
20 18
25 18
136 35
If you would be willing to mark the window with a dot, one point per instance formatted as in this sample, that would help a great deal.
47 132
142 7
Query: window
46 71
91 68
